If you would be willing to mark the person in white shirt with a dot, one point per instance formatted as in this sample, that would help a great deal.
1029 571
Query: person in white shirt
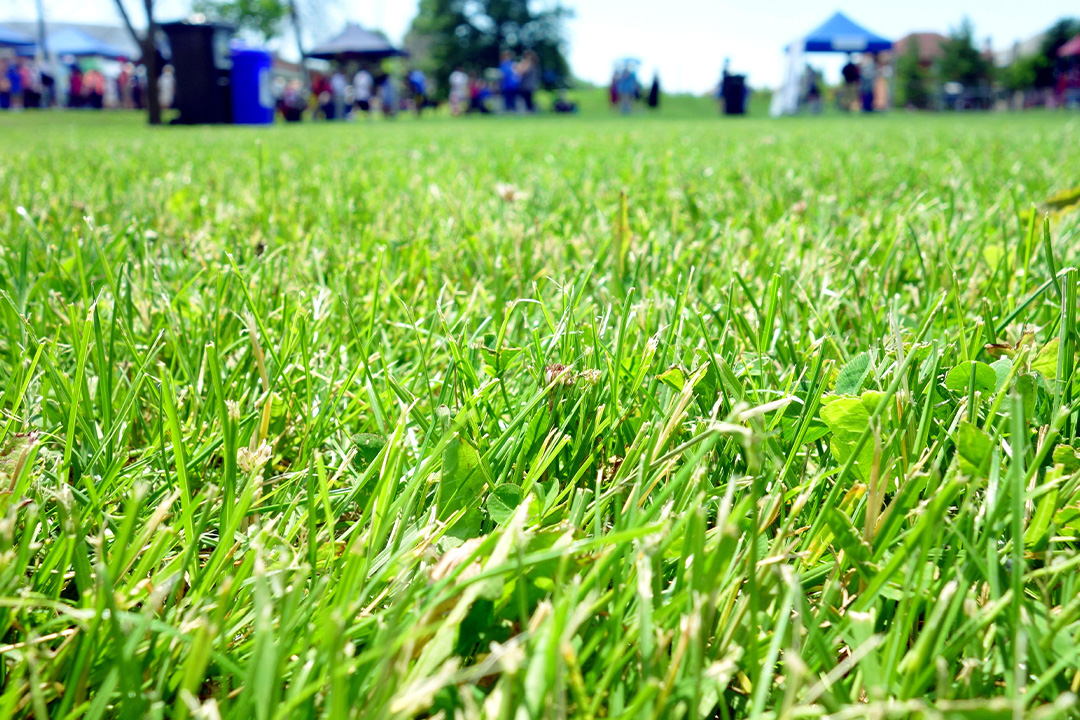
362 85
459 91
337 91
167 87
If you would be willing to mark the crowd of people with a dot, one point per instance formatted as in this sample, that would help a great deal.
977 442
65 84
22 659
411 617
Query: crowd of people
27 83
352 92
625 91
344 92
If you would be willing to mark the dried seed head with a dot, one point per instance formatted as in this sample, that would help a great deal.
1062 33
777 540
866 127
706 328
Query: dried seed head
558 374
590 377
251 460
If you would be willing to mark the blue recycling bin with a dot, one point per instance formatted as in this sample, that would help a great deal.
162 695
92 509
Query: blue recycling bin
252 98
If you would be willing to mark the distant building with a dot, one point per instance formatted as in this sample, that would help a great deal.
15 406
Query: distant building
1020 49
931 47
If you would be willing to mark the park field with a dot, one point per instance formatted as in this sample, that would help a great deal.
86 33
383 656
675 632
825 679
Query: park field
591 417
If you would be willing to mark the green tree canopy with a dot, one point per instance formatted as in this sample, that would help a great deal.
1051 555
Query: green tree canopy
1037 71
963 62
472 33
261 17
912 78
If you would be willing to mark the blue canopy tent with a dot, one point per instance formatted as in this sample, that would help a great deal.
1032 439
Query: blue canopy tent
838 34
13 38
72 41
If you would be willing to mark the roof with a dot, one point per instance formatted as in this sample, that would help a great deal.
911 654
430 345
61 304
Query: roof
115 36
1070 48
11 36
72 41
930 44
356 43
841 34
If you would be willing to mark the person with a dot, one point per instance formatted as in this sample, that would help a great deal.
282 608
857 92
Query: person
324 100
563 104
866 82
613 90
362 85
628 89
48 85
94 89
5 86
138 87
418 89
388 97
459 91
1072 89
293 102
813 90
337 94
123 84
15 85
529 73
509 82
31 84
851 75
75 87
167 87
479 92
654 92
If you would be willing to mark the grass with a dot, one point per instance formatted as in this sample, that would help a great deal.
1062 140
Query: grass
503 418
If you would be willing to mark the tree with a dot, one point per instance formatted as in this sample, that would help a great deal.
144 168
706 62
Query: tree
1037 71
961 61
1045 63
472 33
148 46
262 17
912 78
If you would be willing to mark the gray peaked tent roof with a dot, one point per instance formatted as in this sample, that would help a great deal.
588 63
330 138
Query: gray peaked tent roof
356 43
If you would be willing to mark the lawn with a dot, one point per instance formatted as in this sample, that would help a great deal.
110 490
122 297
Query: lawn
556 417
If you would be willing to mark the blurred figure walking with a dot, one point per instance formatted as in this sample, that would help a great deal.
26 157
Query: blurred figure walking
459 91
509 83
529 72
338 83
362 88
654 92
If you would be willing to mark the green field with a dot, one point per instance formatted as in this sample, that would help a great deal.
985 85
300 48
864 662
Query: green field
539 418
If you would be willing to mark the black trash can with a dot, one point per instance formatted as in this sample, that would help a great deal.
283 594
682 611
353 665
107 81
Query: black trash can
734 92
202 63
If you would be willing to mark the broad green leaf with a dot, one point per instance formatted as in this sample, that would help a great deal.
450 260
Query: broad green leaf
462 478
975 448
503 501
959 378
1002 368
852 376
674 377
1046 362
871 399
846 417
368 446
1067 457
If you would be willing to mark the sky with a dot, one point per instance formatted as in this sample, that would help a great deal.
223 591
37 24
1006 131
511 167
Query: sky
686 41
